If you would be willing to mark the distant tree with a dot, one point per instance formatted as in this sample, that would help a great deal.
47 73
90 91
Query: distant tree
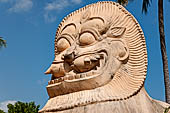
2 42
20 107
1 111
166 110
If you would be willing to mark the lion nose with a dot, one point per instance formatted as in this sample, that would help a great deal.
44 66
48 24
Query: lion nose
68 57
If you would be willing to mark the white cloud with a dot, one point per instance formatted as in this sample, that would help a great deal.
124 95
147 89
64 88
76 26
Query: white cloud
49 17
21 5
77 1
56 6
3 105
4 1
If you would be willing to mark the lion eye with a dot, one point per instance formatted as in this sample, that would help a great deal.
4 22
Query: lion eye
62 44
86 39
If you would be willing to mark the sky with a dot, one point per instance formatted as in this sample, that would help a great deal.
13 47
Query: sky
29 27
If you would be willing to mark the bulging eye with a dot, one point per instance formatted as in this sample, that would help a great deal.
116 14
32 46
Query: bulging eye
62 44
86 39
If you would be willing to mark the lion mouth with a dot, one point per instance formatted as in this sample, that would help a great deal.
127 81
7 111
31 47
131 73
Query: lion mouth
84 67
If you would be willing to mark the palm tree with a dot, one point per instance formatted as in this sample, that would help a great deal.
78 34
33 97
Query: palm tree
145 5
163 50
2 42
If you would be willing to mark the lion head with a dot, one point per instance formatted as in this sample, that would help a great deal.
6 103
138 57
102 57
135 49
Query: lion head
100 47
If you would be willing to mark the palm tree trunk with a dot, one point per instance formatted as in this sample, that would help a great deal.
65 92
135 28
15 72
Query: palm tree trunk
163 51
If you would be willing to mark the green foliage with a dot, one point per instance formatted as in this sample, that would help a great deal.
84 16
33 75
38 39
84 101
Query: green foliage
1 111
145 5
20 107
2 42
123 2
167 109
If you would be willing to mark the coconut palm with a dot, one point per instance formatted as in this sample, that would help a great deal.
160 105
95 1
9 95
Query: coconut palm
2 42
145 5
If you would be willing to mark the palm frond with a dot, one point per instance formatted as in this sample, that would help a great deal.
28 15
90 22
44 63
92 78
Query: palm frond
123 2
145 5
2 43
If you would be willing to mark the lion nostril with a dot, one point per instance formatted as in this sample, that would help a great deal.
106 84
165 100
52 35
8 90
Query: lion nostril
69 57
62 57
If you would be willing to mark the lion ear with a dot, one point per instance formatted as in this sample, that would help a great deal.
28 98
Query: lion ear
116 32
121 49
124 55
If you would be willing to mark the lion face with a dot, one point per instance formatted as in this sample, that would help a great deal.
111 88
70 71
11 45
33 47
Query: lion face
88 54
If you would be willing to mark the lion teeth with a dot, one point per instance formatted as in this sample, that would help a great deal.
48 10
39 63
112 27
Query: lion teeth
101 56
93 72
97 67
88 74
93 59
83 75
56 81
60 79
49 82
52 82
65 77
77 76
97 56
87 60
70 77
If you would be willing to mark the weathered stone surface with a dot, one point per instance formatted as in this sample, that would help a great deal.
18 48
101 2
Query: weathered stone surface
100 64
139 103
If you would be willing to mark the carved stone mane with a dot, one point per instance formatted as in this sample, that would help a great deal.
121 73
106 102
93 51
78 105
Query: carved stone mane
100 64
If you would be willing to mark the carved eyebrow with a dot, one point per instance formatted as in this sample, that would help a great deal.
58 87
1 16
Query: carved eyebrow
69 25
100 18
66 36
93 31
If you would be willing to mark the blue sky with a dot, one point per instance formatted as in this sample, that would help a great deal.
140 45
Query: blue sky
29 28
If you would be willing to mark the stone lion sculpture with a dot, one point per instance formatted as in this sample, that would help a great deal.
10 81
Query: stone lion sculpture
100 64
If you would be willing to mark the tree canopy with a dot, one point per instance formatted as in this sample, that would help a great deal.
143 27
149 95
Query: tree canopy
20 107
145 4
1 111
